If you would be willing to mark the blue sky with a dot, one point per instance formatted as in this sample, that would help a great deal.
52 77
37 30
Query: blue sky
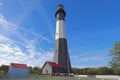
27 31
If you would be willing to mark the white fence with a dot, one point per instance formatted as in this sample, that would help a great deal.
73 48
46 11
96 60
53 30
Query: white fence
112 77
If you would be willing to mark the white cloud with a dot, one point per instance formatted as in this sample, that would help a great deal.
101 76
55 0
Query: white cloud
7 27
46 19
22 49
4 23
86 59
10 52
1 4
96 58
93 58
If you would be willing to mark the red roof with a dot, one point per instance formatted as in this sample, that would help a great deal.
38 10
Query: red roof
19 65
53 64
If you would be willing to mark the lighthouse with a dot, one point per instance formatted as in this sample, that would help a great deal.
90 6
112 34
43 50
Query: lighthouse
61 63
61 55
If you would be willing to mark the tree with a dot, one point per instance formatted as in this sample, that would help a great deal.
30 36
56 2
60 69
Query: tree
115 62
4 68
35 70
115 53
76 70
104 71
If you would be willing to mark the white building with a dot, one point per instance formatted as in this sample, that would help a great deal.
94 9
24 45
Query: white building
18 70
52 68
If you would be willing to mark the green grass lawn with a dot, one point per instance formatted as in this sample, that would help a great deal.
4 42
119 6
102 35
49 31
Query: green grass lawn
51 78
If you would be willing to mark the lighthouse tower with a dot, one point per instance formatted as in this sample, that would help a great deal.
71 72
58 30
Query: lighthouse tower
61 55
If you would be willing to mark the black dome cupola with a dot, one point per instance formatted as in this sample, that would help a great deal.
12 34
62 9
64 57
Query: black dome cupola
60 13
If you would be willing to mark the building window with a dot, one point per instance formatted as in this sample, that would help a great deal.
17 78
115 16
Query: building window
46 71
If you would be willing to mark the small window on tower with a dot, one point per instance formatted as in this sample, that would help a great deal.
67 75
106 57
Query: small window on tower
55 51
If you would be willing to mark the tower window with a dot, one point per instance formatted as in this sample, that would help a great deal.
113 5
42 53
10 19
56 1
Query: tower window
56 51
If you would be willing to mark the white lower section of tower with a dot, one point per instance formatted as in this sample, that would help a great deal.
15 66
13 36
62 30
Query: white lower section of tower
60 29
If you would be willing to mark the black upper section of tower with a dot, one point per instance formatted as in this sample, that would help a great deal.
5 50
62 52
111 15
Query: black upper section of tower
60 13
